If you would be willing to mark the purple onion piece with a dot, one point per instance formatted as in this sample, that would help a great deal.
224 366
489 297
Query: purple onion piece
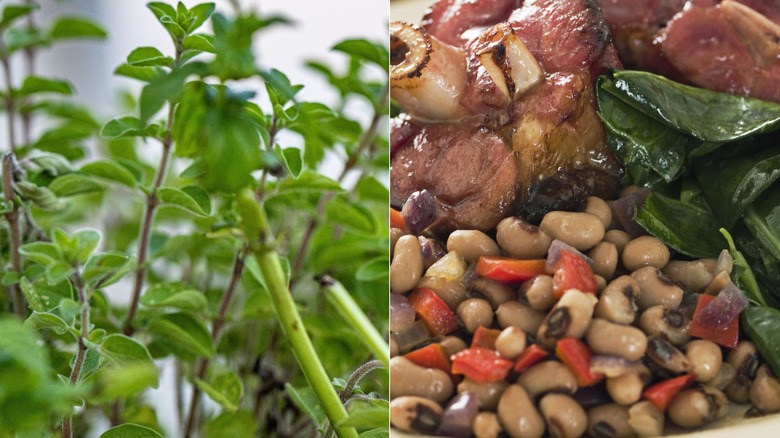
610 366
554 253
419 211
458 416
431 251
414 335
401 313
726 306
625 208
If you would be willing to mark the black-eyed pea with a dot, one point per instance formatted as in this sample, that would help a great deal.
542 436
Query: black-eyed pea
627 389
725 376
645 419
518 414
452 345
486 425
656 289
765 391
565 417
617 302
705 357
393 346
619 238
608 338
487 393
511 342
694 275
605 258
407 265
538 292
669 324
569 317
601 283
599 208
667 356
548 376
697 406
495 292
415 414
609 421
395 234
472 244
744 359
516 313
521 240
411 379
475 312
580 230
645 251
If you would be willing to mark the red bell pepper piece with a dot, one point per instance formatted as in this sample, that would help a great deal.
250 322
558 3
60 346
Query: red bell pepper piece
433 312
509 270
485 338
532 355
728 337
663 392
430 356
481 365
397 219
576 356
572 272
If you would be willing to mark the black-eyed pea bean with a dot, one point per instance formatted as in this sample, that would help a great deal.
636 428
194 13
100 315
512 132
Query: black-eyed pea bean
605 258
407 265
475 312
516 313
548 376
619 238
538 292
627 389
705 357
666 355
565 417
495 292
765 391
669 324
395 234
694 275
472 244
569 317
725 376
486 425
415 414
411 379
452 292
609 421
511 342
645 419
521 240
452 345
580 230
617 302
488 393
518 414
393 346
601 282
744 359
656 289
697 407
608 338
599 208
645 251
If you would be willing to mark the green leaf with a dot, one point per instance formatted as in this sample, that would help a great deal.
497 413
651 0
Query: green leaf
129 430
306 401
119 382
18 38
14 12
381 432
200 13
185 335
50 163
128 126
351 214
200 43
293 160
164 89
42 320
42 197
145 74
310 181
110 170
167 16
86 242
224 388
374 269
371 414
173 197
105 269
148 57
74 184
121 350
93 362
369 188
38 84
177 295
58 271
76 27
231 424
375 53
279 88
43 253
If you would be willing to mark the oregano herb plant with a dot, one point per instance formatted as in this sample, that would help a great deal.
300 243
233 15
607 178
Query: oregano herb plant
191 243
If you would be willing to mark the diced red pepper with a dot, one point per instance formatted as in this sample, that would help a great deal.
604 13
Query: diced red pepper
572 272
509 270
485 338
433 312
397 219
663 392
728 337
576 356
430 356
481 365
532 355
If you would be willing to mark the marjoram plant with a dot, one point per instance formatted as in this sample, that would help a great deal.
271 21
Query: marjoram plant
228 258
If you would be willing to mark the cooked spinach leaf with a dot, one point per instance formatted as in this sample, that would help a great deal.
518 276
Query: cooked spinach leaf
762 324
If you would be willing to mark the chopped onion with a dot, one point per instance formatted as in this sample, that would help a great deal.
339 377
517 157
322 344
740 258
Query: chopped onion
450 267
458 416
431 251
625 208
401 313
414 335
419 211
554 253
727 306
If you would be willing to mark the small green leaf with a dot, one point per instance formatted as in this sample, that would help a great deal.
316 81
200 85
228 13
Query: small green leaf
351 214
200 13
200 196
111 171
380 432
76 27
42 197
174 197
224 388
74 184
18 38
43 253
164 89
306 401
374 269
375 53
370 188
371 414
42 320
38 84
86 242
58 271
51 163
293 160
145 74
231 424
13 12
177 295
120 350
129 430
93 362
116 382
185 335
105 269
148 57
128 126
199 42
310 181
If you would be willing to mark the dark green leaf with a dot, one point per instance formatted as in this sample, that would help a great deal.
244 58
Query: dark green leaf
178 198
111 171
369 188
231 424
200 43
375 53
42 320
128 126
351 214
164 89
310 181
74 184
306 401
121 350
76 27
200 196
685 228
167 16
183 334
373 414
279 87
14 12
129 430
145 74
224 388
177 295
293 160
742 274
374 269
148 57
37 84
200 13
762 325
127 380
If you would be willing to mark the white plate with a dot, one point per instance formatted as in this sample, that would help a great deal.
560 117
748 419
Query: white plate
734 425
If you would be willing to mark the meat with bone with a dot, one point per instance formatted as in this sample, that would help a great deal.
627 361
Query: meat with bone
522 135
